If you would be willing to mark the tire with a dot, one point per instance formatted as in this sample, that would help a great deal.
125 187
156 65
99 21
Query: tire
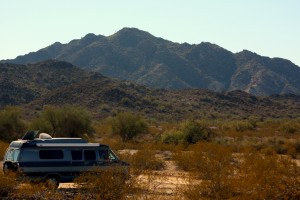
52 182
7 168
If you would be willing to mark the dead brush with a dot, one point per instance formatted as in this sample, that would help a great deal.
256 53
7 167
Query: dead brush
7 185
3 147
214 165
253 176
103 183
268 177
144 160
36 190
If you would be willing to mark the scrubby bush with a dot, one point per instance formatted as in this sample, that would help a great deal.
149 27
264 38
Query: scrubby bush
11 124
68 121
267 177
250 175
213 164
128 125
144 160
7 185
290 127
173 137
242 125
3 147
103 184
194 131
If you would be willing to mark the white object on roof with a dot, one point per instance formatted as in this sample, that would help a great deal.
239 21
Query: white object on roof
44 136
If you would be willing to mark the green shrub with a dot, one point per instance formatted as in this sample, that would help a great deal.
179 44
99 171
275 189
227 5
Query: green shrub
173 137
128 125
290 127
194 131
68 121
11 125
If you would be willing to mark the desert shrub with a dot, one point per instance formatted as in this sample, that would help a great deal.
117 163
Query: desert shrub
267 177
194 131
213 164
68 121
290 127
143 160
3 147
41 124
249 175
7 185
242 125
128 125
103 184
36 190
173 137
11 125
297 146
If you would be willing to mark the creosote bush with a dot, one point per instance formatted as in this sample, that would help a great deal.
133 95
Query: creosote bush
7 185
194 131
128 125
101 183
251 175
11 124
144 159
3 147
173 137
67 121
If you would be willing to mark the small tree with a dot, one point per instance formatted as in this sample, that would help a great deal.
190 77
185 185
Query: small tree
128 125
194 131
68 121
75 122
11 124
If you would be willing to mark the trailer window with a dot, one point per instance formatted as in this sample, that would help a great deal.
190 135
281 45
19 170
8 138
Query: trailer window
9 155
51 154
89 155
16 154
76 155
103 154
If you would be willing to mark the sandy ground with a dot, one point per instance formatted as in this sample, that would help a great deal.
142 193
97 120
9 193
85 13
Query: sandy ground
163 184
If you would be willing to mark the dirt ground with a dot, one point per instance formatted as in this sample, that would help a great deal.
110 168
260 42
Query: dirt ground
163 184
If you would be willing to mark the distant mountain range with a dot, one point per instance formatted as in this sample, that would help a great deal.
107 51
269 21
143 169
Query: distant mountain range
132 54
58 83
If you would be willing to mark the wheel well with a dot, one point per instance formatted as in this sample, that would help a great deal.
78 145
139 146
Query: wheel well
9 165
56 176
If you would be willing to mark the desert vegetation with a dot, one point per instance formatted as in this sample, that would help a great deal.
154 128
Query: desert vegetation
198 158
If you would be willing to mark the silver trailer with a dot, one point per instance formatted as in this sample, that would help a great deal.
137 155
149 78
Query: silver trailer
59 160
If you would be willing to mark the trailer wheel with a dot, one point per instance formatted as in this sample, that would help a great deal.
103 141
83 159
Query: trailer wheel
7 168
52 182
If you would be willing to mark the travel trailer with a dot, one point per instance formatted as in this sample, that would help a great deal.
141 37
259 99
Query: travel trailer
57 160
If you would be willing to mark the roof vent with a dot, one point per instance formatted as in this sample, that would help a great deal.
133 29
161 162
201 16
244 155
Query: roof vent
45 136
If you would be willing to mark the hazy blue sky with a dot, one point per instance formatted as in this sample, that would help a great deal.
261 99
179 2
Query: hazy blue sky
267 27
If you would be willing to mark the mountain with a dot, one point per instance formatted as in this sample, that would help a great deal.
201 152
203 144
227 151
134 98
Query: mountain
132 54
21 84
57 83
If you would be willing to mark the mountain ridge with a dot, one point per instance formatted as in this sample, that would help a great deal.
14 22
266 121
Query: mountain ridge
58 83
135 55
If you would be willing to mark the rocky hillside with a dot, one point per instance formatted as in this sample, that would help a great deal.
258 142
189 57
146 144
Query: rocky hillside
58 83
21 84
132 54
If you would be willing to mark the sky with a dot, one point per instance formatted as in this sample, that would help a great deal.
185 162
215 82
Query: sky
267 27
